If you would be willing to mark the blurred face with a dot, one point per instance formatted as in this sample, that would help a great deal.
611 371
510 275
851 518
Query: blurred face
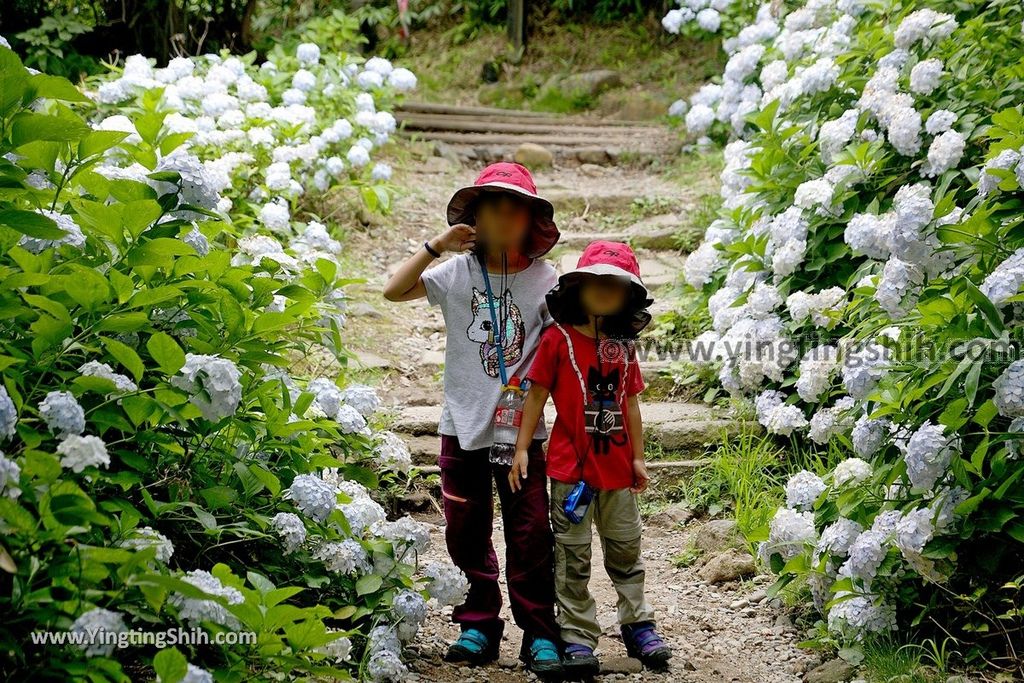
502 222
604 295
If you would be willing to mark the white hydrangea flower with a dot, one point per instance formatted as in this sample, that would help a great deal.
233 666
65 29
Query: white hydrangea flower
1004 161
856 617
408 536
868 435
148 537
343 557
103 371
699 119
197 240
790 532
194 611
851 471
402 80
834 135
709 19
1009 390
313 496
361 397
803 490
194 674
275 215
837 537
701 264
446 583
940 121
924 25
290 528
410 607
214 384
358 156
898 288
362 513
822 308
10 477
928 454
392 453
8 414
816 370
350 421
862 368
1006 280
95 632
904 130
308 54
869 234
386 667
788 257
885 522
866 555
62 413
925 76
197 188
73 235
339 649
673 21
944 153
828 422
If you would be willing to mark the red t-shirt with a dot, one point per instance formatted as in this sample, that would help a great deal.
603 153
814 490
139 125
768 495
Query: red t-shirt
590 439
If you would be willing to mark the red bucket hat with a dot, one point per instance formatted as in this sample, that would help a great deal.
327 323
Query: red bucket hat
603 258
516 179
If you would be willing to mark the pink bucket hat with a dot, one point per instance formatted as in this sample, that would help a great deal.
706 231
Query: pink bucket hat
603 258
516 179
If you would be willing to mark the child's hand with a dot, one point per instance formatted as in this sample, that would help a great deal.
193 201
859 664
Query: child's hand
640 477
458 238
520 463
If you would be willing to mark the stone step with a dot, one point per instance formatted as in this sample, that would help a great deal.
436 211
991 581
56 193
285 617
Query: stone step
528 127
673 426
498 114
575 201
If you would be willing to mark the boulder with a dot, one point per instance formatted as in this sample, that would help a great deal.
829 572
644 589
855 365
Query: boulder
593 155
590 82
718 535
532 155
728 566
832 671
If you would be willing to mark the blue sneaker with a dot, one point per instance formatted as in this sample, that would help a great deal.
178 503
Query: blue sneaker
579 662
541 657
473 648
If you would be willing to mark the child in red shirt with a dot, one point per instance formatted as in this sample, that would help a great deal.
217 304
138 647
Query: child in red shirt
586 362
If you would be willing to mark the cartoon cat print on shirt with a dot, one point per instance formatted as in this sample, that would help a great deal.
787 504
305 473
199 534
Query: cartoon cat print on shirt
481 330
603 417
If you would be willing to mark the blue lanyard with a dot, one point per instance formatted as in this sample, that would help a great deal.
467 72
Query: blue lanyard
498 334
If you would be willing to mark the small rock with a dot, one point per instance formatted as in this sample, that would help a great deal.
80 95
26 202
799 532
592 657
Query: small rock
369 218
372 361
832 671
621 665
431 358
592 170
417 501
364 309
727 566
508 662
590 82
672 516
593 155
718 534
437 164
533 156
783 624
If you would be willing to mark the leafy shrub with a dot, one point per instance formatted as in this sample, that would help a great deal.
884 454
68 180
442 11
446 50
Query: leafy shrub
162 466
48 47
865 270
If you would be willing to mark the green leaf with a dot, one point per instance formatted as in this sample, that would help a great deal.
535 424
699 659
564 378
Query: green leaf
369 583
158 252
99 141
166 352
31 223
13 81
217 497
125 355
55 88
31 127
170 665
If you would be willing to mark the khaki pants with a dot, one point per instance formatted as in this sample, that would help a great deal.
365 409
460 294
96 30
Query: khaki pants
618 525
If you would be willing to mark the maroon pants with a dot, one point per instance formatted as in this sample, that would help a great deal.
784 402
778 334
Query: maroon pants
529 554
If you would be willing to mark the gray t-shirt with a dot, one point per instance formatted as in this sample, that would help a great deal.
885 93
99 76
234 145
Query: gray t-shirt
472 384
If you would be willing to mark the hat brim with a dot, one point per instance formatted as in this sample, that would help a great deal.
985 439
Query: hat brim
607 269
544 233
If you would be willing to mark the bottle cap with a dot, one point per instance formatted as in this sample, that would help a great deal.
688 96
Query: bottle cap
513 381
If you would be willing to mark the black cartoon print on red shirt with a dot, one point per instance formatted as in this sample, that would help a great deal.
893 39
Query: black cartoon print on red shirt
602 415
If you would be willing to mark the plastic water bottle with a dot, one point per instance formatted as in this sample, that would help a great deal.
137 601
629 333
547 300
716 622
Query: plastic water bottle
507 419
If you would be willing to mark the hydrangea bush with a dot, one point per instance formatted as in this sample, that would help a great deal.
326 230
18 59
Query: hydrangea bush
864 281
160 463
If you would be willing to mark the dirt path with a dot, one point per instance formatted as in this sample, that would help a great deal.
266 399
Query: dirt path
716 634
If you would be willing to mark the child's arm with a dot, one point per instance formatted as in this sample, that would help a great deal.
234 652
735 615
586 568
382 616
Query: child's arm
406 284
533 408
636 440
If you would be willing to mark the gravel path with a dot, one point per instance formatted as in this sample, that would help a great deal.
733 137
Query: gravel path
716 633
